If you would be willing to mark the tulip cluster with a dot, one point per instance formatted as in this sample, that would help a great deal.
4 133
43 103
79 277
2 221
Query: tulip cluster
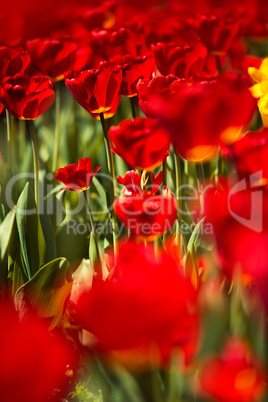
137 269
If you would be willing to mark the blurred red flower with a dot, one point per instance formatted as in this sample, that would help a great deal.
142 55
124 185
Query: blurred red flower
147 216
184 60
199 115
26 97
238 213
77 177
52 56
217 32
141 142
143 312
235 376
126 40
35 365
133 70
249 154
13 61
96 90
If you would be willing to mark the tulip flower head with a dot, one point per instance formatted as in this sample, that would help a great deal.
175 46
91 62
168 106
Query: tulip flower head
145 214
140 142
26 97
235 376
52 57
77 177
34 363
143 311
184 60
13 61
96 90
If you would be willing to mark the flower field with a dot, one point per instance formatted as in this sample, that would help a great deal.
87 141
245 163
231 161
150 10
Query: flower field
134 201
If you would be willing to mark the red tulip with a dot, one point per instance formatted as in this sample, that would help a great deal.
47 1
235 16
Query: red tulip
239 217
197 116
184 60
143 312
26 97
134 69
77 177
140 142
235 376
96 90
147 216
13 61
126 40
250 154
158 86
52 57
108 113
34 364
132 183
216 32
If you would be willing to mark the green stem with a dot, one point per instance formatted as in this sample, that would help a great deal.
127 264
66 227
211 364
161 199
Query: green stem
111 169
178 185
9 140
90 216
220 166
134 109
36 163
200 185
164 166
57 129
178 177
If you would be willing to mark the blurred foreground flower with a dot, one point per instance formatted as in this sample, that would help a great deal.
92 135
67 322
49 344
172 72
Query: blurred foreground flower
239 217
143 312
77 177
249 154
198 116
35 365
235 376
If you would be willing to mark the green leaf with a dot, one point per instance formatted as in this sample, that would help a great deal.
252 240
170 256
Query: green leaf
49 236
6 228
72 240
47 291
101 192
194 236
17 273
55 208
32 242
